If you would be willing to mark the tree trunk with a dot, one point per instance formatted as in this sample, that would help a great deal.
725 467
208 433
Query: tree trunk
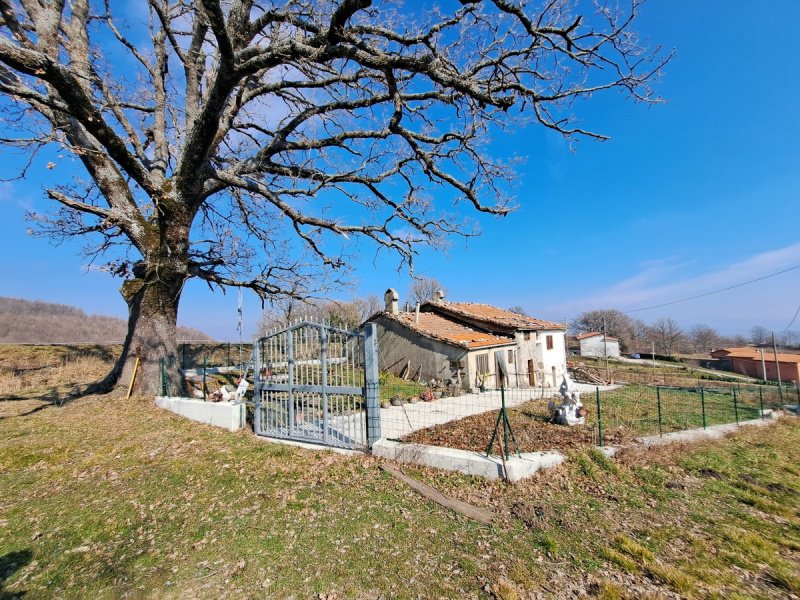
152 321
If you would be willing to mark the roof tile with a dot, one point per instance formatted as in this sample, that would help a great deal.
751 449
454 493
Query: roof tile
494 315
441 328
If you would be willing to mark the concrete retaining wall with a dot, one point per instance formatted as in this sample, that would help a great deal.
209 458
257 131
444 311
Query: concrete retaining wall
464 461
227 415
476 463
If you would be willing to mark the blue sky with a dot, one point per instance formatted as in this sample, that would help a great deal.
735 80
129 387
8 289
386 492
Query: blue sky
693 195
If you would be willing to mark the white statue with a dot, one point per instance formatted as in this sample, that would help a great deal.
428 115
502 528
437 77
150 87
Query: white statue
570 411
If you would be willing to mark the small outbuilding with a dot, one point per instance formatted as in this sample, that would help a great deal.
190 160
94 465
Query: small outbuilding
594 344
760 363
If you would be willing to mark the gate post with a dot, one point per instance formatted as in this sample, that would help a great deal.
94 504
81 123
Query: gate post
372 392
256 386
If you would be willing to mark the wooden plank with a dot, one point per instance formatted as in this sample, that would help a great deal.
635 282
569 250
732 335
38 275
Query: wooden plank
475 513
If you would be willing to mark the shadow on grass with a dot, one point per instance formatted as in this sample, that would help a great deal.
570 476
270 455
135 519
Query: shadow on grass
56 396
10 563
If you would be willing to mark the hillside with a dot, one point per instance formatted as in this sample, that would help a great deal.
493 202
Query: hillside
34 322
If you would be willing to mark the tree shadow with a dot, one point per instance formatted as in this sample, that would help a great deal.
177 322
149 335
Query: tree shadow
56 396
10 563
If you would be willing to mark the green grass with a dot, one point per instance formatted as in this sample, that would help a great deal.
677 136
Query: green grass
636 407
106 498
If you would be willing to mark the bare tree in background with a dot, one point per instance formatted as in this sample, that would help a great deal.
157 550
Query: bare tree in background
424 289
518 310
248 143
347 314
703 338
617 324
760 336
667 335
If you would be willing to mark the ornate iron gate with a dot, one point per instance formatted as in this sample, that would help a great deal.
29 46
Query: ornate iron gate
318 383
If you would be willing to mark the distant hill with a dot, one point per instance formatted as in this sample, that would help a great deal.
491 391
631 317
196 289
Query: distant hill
34 322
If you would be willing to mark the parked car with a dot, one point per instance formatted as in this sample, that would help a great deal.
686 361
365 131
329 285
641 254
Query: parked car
635 355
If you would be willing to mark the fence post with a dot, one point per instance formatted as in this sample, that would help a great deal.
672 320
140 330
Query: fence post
205 389
658 398
703 405
163 377
599 417
761 401
371 380
797 389
735 406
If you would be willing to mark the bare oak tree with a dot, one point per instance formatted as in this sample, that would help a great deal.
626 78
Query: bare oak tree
667 335
424 289
704 339
617 325
248 143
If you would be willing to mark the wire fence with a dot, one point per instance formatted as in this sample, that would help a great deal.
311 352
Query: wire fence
207 367
612 416
643 410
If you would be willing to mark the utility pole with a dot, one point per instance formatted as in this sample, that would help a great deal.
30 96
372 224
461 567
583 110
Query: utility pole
777 364
653 354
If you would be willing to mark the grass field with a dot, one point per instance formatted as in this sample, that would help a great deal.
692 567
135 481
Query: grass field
106 498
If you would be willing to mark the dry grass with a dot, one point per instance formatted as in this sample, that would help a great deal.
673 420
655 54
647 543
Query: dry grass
16 382
119 499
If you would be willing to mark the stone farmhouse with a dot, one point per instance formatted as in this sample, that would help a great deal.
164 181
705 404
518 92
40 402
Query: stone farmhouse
458 342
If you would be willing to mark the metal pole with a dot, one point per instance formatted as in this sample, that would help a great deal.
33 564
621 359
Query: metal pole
205 390
257 383
323 361
763 365
371 382
505 428
290 379
703 406
735 407
599 417
605 351
658 398
761 401
163 377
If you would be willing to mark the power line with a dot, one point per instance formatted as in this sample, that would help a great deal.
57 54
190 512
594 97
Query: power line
725 289
797 312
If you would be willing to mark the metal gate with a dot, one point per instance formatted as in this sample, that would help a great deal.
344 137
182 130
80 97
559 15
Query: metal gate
318 383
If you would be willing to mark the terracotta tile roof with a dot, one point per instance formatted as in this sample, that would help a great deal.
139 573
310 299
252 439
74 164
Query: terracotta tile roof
588 334
749 353
443 329
492 315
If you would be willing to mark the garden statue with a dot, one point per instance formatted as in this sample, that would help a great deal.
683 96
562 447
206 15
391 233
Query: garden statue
570 411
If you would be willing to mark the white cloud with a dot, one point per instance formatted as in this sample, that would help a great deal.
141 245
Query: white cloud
660 283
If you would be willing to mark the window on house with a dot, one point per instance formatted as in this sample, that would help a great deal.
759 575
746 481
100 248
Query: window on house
482 363
526 336
511 357
549 342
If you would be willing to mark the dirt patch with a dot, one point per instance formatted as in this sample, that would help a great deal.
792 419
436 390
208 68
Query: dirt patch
530 425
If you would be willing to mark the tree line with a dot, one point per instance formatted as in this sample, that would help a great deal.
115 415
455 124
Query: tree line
35 322
668 337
